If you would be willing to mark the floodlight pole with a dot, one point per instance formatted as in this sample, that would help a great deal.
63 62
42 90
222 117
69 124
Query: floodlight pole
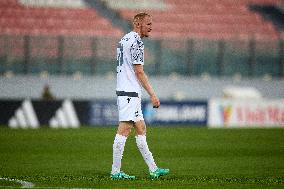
281 58
190 52
60 51
27 53
251 60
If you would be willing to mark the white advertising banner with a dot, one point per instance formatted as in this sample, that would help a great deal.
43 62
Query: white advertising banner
246 113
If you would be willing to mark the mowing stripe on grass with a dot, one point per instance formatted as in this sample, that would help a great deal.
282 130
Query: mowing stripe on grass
24 184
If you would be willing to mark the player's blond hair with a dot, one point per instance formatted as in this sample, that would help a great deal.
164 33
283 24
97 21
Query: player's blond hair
139 17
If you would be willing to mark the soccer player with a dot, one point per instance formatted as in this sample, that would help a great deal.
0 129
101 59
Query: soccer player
130 80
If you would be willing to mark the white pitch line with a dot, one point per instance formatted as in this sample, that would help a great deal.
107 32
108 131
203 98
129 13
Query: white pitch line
24 184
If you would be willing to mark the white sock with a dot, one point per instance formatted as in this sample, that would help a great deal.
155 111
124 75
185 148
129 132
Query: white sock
118 148
145 152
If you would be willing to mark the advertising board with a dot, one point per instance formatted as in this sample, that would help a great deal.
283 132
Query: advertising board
246 113
75 113
170 112
182 112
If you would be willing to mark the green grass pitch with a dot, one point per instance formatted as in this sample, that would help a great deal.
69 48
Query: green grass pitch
197 158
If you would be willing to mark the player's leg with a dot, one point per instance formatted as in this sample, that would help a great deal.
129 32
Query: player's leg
126 113
123 131
142 145
124 128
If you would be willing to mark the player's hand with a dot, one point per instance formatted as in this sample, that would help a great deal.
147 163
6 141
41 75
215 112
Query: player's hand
155 101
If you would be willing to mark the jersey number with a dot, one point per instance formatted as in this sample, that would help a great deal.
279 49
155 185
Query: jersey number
119 58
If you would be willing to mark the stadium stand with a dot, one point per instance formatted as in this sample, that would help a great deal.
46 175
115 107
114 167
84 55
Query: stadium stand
48 39
206 37
51 18
227 37
214 19
54 37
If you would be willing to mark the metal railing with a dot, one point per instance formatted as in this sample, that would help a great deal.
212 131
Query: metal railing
97 56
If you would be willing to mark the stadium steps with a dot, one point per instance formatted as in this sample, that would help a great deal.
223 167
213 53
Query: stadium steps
130 4
271 13
54 3
109 13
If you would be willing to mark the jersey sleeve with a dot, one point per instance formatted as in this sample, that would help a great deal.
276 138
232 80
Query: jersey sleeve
137 52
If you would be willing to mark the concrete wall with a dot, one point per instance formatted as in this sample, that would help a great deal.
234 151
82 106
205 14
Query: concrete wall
104 87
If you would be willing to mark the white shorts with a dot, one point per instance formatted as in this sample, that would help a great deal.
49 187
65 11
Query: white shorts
129 108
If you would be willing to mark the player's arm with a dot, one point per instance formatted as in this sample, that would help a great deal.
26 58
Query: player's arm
142 77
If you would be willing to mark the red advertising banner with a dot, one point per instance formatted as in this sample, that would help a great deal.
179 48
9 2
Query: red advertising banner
246 113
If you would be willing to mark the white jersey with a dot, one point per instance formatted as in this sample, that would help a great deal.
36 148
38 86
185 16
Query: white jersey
130 51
